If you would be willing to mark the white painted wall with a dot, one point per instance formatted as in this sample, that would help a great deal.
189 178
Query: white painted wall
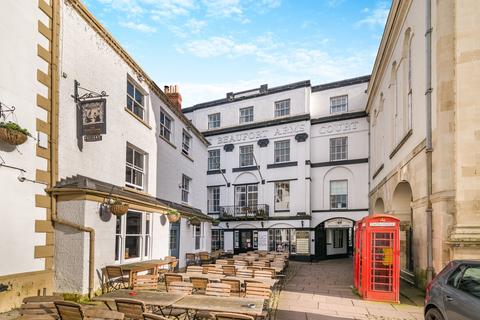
18 87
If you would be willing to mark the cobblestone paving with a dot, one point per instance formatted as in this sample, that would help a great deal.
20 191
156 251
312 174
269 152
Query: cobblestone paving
322 291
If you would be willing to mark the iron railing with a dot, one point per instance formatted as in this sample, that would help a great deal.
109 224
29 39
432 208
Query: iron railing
255 212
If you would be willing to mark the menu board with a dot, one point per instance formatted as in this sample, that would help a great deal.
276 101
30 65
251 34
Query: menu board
263 240
303 242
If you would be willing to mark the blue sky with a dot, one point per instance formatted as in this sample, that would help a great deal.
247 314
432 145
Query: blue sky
210 47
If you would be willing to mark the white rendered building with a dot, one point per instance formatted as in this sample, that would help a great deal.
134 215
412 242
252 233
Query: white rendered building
287 167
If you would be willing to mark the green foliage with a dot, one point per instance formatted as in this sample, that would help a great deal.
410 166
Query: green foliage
15 127
173 212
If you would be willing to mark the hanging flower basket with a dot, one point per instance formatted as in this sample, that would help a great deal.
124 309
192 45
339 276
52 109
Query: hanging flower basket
194 221
12 133
215 222
173 216
118 208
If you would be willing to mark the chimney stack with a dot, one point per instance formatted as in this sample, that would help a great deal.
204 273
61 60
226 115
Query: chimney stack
174 96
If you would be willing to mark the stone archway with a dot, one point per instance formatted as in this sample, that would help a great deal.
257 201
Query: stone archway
379 206
402 209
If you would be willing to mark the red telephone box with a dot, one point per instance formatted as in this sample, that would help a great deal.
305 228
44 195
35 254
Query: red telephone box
377 258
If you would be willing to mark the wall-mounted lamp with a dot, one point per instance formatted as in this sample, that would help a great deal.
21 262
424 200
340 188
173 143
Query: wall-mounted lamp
302 223
228 226
261 223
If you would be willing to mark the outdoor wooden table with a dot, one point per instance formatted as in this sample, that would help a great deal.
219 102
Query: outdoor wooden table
150 298
270 282
277 269
221 304
147 265
211 277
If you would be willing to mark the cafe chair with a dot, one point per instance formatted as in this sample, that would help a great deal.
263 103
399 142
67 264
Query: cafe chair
131 308
218 289
217 271
240 263
194 269
259 290
172 277
222 262
229 270
199 284
39 307
235 287
232 316
245 273
115 278
145 281
179 287
205 258
191 259
68 310
263 274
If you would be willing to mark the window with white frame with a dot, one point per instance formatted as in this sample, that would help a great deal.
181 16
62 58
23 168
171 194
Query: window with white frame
135 100
186 143
133 236
217 239
338 194
282 108
282 195
165 126
246 155
213 199
197 234
214 159
135 168
338 148
214 120
246 115
185 188
339 104
282 151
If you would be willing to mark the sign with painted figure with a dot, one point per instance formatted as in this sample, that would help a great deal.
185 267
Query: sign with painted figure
338 223
263 240
285 130
93 114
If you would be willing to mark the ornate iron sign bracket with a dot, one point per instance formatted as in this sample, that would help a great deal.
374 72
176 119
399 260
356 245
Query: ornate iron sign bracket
4 110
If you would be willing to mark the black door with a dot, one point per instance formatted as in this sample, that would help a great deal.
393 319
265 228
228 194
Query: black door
245 241
175 239
320 242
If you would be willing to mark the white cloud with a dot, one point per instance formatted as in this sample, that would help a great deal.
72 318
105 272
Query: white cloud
223 8
375 17
218 46
138 27
195 26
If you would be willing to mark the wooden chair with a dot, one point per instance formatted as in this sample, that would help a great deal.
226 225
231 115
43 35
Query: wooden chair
68 310
151 316
229 270
232 316
240 263
172 277
145 281
231 261
254 268
191 259
131 308
115 278
260 263
207 267
199 284
215 271
194 269
235 287
218 289
244 273
39 307
259 290
263 274
181 287
205 258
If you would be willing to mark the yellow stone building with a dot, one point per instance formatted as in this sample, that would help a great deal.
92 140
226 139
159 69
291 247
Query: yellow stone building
424 114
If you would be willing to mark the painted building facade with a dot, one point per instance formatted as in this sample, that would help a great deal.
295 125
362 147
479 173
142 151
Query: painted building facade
285 166
423 110
28 169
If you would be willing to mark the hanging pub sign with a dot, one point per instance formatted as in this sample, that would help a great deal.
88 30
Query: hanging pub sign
91 114
93 119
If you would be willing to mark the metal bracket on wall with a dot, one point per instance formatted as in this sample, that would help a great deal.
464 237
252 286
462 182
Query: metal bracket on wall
4 110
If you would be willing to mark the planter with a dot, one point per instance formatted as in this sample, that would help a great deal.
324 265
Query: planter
215 223
12 137
195 221
119 209
173 217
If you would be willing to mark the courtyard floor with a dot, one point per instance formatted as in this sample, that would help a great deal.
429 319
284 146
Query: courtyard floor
323 291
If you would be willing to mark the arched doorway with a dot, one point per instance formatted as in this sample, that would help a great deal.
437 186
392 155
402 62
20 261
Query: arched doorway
402 209
334 239
379 206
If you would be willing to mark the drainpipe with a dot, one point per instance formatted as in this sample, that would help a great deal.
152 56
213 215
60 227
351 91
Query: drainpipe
91 231
429 148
